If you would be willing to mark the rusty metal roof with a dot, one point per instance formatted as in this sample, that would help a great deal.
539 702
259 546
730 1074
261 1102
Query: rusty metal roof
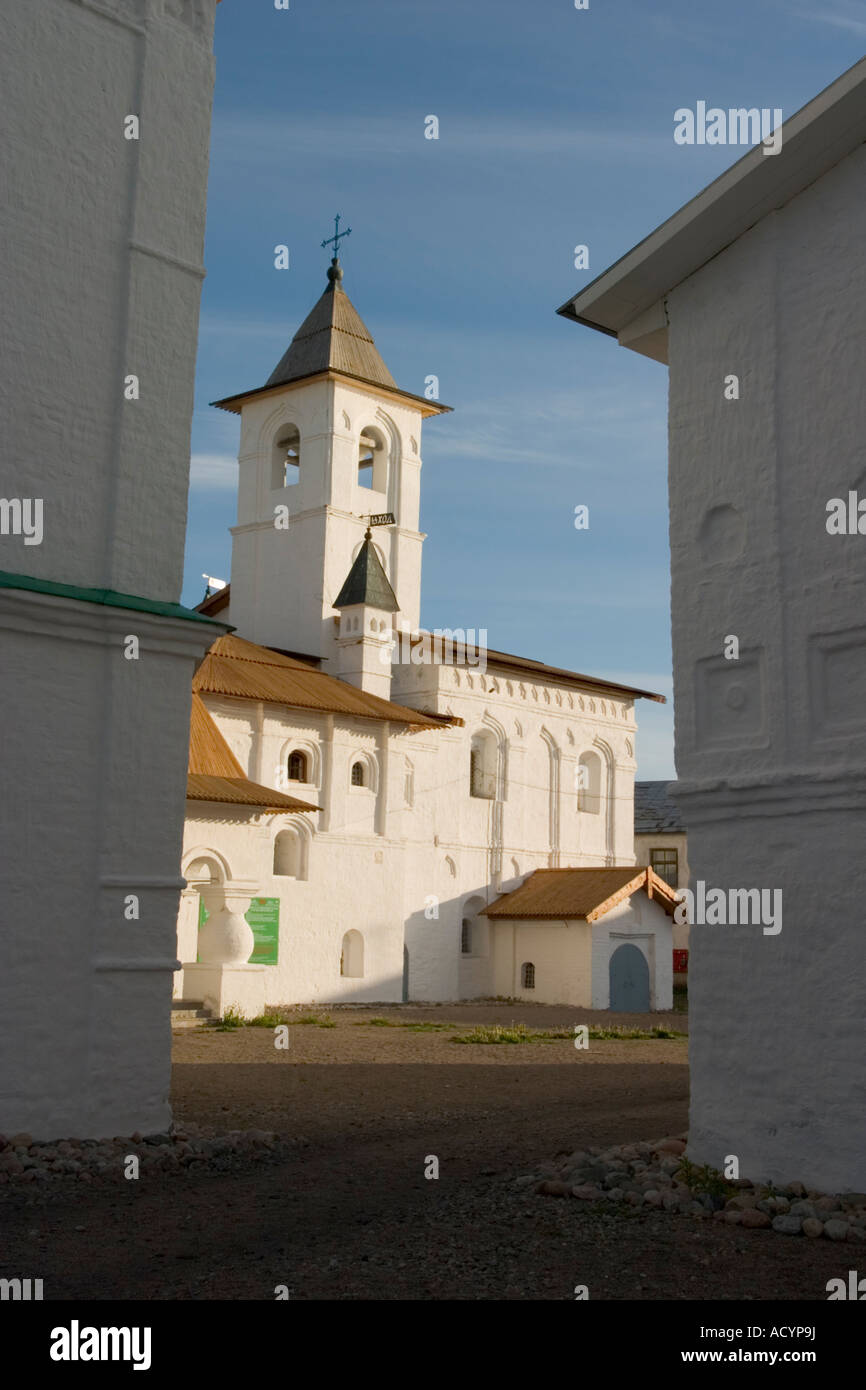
216 775
469 655
246 671
583 893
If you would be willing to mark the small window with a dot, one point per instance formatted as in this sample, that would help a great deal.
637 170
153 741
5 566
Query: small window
665 862
482 767
352 955
527 975
466 937
359 775
298 765
287 854
589 783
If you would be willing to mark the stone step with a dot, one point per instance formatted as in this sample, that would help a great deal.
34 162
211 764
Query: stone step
190 1013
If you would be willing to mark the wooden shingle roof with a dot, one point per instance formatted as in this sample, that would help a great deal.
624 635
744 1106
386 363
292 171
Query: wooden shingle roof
242 669
580 893
214 773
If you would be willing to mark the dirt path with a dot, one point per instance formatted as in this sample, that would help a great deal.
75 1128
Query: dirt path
350 1214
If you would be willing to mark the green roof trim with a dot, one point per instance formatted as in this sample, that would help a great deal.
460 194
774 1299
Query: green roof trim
109 597
367 582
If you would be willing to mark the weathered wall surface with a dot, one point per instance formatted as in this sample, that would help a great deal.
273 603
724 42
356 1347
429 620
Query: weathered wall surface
101 279
771 749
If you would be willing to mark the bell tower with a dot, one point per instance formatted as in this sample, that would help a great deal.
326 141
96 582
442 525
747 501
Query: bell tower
328 441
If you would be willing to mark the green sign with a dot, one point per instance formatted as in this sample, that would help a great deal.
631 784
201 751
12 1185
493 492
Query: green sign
263 915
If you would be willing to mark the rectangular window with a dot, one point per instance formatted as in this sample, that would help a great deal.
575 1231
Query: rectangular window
481 782
665 862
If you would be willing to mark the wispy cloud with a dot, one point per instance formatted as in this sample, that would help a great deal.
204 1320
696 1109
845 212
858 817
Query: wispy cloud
213 471
552 431
249 139
850 16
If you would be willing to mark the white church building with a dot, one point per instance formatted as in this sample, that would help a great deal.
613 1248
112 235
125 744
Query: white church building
360 791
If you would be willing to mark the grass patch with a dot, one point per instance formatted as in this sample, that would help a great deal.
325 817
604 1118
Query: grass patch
429 1027
230 1020
500 1033
397 1023
703 1178
266 1021
317 1020
520 1033
640 1033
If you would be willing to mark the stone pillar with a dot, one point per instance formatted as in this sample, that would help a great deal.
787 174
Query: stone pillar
101 280
223 978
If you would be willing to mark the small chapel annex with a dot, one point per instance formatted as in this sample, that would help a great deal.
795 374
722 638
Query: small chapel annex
362 794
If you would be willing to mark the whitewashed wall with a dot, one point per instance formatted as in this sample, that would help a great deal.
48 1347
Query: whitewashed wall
101 278
648 927
400 864
560 951
771 749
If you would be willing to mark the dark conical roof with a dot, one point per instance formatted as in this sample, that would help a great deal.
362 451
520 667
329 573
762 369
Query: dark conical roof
332 336
367 582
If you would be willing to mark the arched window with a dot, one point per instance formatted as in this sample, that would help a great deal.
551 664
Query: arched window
286 457
527 975
352 955
287 854
298 767
466 937
359 775
372 461
482 765
589 783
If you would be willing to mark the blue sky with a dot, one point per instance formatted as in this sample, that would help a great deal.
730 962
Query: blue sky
556 129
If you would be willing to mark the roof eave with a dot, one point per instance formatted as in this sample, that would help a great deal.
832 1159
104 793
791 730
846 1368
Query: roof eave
236 402
753 187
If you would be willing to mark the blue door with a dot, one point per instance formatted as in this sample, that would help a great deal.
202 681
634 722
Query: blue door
629 980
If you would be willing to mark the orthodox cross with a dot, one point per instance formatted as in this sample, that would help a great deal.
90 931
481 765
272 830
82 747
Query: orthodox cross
337 237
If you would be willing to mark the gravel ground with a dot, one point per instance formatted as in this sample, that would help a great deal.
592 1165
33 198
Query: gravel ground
346 1212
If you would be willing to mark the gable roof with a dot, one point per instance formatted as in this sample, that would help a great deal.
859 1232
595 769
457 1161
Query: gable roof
367 582
626 301
580 893
242 669
214 773
654 811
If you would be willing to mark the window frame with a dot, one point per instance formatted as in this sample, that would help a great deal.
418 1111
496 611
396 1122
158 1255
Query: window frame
666 850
